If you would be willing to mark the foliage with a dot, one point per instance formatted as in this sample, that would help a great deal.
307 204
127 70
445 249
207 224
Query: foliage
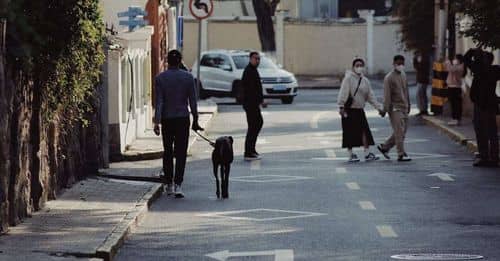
485 27
417 24
58 43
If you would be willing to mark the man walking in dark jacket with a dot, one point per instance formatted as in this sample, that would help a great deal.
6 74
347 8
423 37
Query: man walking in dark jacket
485 102
422 64
252 100
174 88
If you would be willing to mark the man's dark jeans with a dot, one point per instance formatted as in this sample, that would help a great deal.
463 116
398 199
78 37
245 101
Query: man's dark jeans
255 122
486 129
175 134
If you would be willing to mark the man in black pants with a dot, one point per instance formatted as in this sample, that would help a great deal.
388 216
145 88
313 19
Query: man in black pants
252 100
483 96
174 88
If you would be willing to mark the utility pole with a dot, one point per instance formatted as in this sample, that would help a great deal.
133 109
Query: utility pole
440 26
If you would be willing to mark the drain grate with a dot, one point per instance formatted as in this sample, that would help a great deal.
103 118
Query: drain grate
437 257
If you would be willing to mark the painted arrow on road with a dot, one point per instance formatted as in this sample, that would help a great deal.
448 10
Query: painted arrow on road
279 254
443 176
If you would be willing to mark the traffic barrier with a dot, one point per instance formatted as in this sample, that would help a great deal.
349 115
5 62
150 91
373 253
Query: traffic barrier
439 88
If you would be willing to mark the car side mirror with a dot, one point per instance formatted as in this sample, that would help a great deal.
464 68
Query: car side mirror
226 67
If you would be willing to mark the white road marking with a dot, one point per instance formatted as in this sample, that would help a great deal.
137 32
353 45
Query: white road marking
353 186
239 214
341 170
315 119
279 254
367 205
267 178
330 154
443 176
324 142
265 113
255 165
262 141
386 231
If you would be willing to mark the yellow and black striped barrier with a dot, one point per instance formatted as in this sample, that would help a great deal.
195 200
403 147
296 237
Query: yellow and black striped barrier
439 88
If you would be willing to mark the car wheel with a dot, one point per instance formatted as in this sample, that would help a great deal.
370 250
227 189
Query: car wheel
237 92
202 92
287 100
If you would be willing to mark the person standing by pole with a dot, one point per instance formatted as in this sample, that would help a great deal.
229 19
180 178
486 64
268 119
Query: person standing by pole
456 72
174 88
253 99
397 104
422 65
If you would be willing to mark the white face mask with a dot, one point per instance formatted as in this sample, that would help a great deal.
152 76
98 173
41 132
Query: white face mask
419 58
400 68
455 62
359 70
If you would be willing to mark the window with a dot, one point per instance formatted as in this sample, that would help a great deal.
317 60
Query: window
319 8
241 61
208 60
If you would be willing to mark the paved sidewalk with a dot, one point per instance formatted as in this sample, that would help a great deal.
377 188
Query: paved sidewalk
89 220
463 134
150 146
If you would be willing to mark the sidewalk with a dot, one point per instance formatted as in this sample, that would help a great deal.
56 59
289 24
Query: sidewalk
463 134
150 146
89 220
318 82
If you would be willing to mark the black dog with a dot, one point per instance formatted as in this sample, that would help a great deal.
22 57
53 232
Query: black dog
223 156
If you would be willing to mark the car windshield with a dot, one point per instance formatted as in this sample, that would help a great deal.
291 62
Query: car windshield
241 61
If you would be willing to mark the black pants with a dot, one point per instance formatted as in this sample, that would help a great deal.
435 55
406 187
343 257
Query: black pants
486 129
455 96
255 122
175 133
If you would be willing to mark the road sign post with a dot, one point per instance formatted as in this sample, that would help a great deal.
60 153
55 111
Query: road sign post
200 9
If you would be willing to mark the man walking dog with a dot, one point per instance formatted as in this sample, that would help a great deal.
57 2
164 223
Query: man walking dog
174 88
252 100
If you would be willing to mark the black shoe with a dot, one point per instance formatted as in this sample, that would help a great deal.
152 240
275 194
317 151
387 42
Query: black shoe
383 151
481 163
404 157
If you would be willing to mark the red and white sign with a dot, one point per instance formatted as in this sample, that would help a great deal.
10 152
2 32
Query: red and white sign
201 9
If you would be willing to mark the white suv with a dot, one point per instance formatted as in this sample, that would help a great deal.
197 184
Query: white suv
221 72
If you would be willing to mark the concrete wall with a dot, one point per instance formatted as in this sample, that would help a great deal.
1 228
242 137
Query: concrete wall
309 48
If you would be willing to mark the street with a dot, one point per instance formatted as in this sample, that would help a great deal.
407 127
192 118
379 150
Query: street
302 201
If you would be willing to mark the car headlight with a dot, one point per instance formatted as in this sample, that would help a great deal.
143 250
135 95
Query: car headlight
289 79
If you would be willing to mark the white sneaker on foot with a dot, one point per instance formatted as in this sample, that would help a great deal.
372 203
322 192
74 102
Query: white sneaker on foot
178 191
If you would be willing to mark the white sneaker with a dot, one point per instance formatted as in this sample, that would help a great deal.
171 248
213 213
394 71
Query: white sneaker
354 158
453 123
178 191
169 189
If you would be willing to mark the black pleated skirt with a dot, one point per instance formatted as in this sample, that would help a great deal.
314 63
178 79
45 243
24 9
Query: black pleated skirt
353 127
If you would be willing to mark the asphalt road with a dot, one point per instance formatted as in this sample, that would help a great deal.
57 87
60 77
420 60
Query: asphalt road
302 201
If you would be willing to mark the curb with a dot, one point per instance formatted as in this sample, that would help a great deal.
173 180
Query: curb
453 134
115 240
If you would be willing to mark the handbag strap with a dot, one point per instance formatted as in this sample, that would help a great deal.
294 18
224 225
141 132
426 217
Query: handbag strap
357 88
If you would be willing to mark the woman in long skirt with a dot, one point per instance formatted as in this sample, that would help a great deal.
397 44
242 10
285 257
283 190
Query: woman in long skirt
355 129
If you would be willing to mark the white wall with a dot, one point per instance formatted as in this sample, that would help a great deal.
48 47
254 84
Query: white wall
309 48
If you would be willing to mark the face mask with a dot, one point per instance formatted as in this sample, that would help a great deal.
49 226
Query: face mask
419 58
455 62
400 68
359 70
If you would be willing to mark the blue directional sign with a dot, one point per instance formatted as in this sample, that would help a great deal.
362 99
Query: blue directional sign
180 32
135 17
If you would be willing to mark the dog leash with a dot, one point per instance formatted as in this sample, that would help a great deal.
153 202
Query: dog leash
206 139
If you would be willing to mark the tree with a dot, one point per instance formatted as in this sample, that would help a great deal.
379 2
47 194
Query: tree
264 11
485 26
417 24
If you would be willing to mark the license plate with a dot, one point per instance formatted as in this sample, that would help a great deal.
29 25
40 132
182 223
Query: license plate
279 87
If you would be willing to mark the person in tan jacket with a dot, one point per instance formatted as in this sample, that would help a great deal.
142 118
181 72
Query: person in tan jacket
397 105
355 129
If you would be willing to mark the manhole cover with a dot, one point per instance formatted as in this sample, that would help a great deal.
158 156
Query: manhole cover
436 257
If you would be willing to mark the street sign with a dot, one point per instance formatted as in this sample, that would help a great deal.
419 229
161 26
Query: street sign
279 254
201 9
180 32
135 17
